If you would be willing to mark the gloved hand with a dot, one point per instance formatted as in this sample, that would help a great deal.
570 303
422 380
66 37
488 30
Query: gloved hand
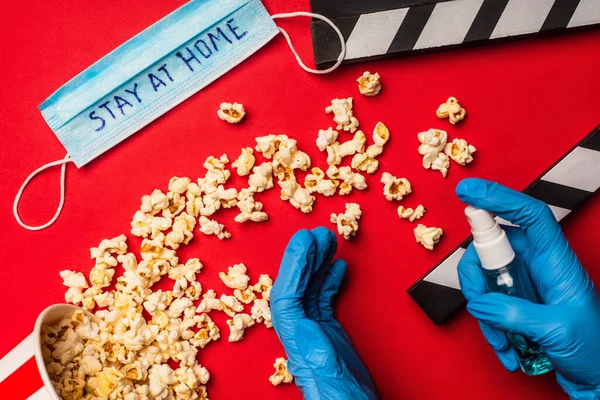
567 324
320 354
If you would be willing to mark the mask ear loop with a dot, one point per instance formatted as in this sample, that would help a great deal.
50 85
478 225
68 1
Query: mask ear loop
340 58
63 174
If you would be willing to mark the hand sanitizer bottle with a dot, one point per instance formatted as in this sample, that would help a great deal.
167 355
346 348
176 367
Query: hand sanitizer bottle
505 272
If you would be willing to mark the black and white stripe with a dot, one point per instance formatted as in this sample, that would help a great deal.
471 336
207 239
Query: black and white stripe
569 182
372 30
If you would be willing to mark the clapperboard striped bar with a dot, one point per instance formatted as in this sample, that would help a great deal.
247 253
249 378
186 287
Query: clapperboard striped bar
385 28
569 182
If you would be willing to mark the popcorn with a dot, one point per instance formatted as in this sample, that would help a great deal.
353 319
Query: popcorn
244 162
101 277
207 332
410 214
140 225
154 203
441 163
432 143
336 151
231 305
343 114
270 144
264 285
110 246
159 224
158 301
160 377
216 173
452 110
347 223
106 299
298 196
316 182
261 312
351 180
76 282
281 375
326 138
460 151
236 277
178 306
154 250
188 270
245 296
381 134
182 231
261 178
369 84
237 325
250 210
212 227
176 205
210 302
428 237
108 379
394 188
333 172
179 185
232 113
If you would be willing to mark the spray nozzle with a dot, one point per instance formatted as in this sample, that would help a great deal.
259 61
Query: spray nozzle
480 220
490 241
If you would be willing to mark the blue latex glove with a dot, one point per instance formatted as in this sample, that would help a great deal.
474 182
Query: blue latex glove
320 354
567 324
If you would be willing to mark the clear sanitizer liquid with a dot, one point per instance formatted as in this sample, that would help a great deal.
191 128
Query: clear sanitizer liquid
505 273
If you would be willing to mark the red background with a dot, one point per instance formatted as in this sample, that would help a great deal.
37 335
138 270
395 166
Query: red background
528 102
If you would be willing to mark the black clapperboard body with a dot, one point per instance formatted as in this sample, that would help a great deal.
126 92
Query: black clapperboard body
376 29
385 28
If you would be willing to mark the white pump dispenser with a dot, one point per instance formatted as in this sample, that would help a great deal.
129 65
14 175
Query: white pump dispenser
490 241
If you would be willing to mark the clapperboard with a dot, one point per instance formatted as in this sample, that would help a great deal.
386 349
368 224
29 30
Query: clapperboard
384 28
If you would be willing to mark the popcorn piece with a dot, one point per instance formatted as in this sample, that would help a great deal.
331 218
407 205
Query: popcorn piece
236 277
347 223
101 277
182 231
179 185
210 302
369 84
264 285
245 296
428 237
237 325
250 210
362 162
343 114
140 225
159 224
460 151
244 162
76 282
193 291
281 375
326 138
160 377
261 178
452 110
158 301
271 144
176 205
153 250
410 214
333 172
262 313
227 197
351 180
336 151
108 379
298 196
231 305
155 202
316 182
381 134
441 163
394 188
107 247
212 227
232 113
432 143
207 332
188 270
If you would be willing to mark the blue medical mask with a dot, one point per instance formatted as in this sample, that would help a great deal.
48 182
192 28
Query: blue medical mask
152 73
